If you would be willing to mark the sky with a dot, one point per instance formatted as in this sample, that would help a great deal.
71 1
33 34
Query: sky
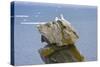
79 2
27 37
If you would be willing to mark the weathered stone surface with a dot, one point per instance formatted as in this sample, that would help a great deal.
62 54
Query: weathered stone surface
60 37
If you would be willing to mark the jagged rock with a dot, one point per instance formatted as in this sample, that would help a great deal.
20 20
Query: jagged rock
60 37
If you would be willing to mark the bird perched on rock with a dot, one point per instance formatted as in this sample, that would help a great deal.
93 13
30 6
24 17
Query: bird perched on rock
60 38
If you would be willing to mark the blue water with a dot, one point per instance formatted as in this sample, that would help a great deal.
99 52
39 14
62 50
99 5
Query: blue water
28 39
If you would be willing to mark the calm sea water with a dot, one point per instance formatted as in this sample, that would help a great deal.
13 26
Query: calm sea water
28 39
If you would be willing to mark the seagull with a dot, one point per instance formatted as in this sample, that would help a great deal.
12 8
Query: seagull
56 18
62 17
